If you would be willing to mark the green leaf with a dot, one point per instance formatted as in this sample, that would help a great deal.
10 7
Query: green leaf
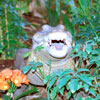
86 87
88 49
26 93
92 91
85 79
67 87
62 91
63 81
0 50
80 85
68 95
73 85
31 63
52 82
77 47
84 4
97 85
46 79
38 48
95 52
37 64
83 70
25 69
98 97
69 26
89 99
79 98
12 87
67 71
34 68
27 54
54 92
6 97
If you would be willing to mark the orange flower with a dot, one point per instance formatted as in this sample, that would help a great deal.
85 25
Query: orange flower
6 73
24 79
17 80
13 75
4 85
16 72
2 79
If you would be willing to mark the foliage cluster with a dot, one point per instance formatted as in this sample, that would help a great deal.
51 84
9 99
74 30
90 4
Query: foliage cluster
11 28
81 18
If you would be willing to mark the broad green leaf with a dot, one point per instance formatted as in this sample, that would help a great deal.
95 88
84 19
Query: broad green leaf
64 80
54 92
68 95
85 56
67 87
92 91
38 48
88 49
67 71
85 79
98 63
89 99
37 64
34 68
86 87
73 85
27 54
6 97
95 52
46 79
79 98
77 46
69 26
25 69
0 50
62 91
83 70
31 63
80 85
97 85
98 97
52 82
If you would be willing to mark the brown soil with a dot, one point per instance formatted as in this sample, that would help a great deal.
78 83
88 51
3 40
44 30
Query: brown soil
6 64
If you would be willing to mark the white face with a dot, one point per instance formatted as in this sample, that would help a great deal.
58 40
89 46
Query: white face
59 44
56 43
